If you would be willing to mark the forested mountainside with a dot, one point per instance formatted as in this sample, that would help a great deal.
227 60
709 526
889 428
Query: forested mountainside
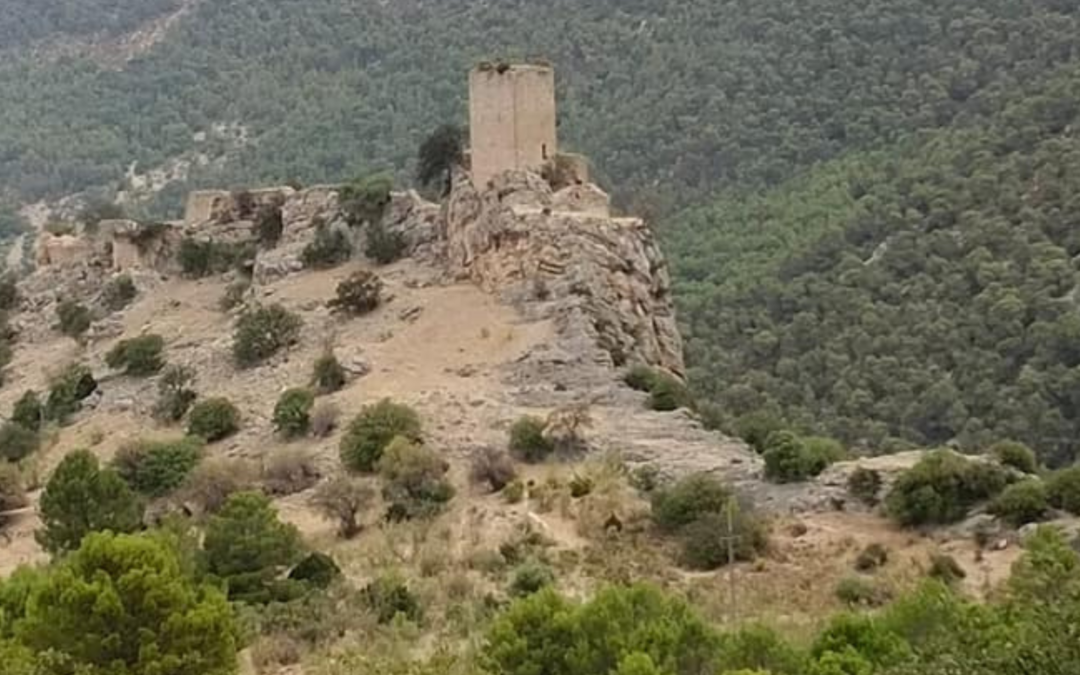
23 23
671 98
927 292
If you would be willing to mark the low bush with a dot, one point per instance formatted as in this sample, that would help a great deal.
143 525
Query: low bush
9 293
139 356
530 577
382 245
200 259
528 442
514 492
292 414
1016 455
262 332
156 468
757 427
1063 489
343 499
709 543
330 247
580 486
74 318
288 472
269 224
1021 503
791 459
414 480
324 419
28 411
69 389
212 482
318 570
328 375
12 489
668 393
944 568
118 293
865 485
941 488
372 430
17 442
494 468
388 596
175 395
213 419
359 294
641 378
689 500
860 592
364 200
871 558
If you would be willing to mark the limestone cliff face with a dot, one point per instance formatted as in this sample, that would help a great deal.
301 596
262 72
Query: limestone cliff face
603 280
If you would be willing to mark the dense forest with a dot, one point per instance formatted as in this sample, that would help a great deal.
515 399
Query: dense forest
24 23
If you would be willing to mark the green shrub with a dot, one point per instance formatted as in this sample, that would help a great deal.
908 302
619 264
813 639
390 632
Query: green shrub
828 450
529 578
200 259
12 489
357 295
641 378
791 459
118 293
439 154
757 427
382 245
708 543
388 596
668 393
156 468
944 568
330 247
28 412
580 486
17 442
414 480
248 547
941 488
262 332
528 442
317 570
373 429
493 467
1022 503
365 199
74 318
139 356
872 557
213 419
328 374
175 395
689 500
865 485
860 592
81 497
70 388
292 414
269 224
514 492
212 482
1063 489
1016 455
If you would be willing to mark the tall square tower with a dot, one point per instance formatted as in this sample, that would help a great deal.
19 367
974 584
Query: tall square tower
511 119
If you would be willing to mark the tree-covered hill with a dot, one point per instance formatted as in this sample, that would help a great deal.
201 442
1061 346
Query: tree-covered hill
23 23
671 98
928 292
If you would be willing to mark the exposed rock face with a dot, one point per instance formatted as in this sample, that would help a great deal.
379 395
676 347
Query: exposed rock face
601 278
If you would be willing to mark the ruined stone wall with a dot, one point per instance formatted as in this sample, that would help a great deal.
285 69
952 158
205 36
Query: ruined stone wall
511 119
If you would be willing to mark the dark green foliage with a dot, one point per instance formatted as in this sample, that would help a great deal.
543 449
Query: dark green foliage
945 569
790 459
439 154
213 419
269 225
941 488
9 293
382 245
1016 455
12 489
17 442
139 356
118 293
865 485
156 468
862 592
1063 489
292 414
371 431
200 259
387 597
175 395
529 578
249 548
709 543
72 386
641 378
126 604
414 480
359 294
528 442
365 200
669 393
317 570
330 247
872 557
328 374
81 498
689 500
1022 503
756 427
74 318
262 332
580 486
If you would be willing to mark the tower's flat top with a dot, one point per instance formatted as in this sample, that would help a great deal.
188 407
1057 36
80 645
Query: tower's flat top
504 68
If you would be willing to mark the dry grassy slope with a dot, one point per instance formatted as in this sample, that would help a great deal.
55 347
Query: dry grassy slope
470 366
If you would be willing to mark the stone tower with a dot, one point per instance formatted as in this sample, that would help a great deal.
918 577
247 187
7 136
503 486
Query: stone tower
511 119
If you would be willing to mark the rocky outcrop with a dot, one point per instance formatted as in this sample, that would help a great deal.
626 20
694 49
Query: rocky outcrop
603 280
